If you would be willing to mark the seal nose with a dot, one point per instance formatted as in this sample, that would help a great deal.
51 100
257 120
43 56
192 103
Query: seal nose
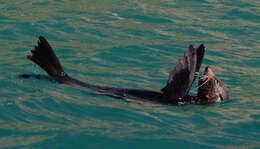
208 71
207 68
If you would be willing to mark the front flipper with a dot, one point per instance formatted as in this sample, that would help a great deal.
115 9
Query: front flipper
200 54
183 75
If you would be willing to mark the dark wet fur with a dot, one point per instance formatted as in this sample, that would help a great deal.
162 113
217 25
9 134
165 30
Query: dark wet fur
211 89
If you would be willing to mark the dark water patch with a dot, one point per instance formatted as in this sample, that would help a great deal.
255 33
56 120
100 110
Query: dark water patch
238 13
22 28
78 12
41 3
150 19
3 18
148 33
196 33
60 107
8 34
11 112
104 142
61 18
255 116
62 26
241 3
93 32
145 18
248 135
12 9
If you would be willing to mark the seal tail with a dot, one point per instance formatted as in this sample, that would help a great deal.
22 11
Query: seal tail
44 56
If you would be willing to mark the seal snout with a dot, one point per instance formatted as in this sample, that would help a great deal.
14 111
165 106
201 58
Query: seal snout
209 72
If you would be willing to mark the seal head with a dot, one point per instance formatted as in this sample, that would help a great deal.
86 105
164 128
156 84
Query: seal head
211 89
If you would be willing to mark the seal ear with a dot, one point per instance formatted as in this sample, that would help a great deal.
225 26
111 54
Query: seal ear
44 56
183 75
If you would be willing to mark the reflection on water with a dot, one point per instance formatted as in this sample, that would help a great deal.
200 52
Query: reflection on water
128 44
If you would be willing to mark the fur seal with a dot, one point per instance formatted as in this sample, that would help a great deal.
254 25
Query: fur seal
211 89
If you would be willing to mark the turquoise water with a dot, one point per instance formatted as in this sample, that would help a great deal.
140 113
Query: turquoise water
127 43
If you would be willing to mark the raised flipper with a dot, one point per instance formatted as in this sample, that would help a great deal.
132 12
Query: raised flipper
200 54
44 56
183 75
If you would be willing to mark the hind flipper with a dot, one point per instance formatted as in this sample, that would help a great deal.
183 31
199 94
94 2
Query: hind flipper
44 56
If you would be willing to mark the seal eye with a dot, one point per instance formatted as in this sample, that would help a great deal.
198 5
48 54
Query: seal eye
221 98
216 81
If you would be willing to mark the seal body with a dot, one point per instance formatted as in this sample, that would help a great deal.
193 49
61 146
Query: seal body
174 93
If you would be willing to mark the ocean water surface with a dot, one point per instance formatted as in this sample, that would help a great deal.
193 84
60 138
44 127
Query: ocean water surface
135 44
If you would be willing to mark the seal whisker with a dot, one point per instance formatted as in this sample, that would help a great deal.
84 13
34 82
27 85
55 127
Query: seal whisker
206 77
